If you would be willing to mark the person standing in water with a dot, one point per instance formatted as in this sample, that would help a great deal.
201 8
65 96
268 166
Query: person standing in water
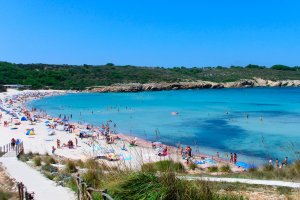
235 158
231 158
277 163
271 162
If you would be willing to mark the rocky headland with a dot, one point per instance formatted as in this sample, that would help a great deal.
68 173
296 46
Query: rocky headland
246 83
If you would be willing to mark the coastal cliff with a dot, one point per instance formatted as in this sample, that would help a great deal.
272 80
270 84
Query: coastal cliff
137 87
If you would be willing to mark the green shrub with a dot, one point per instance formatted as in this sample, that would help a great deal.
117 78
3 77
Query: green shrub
49 168
5 195
163 166
284 190
79 163
92 178
72 184
30 154
49 175
91 164
148 186
70 167
149 167
268 168
225 168
193 166
178 167
212 169
37 161
252 169
23 157
49 160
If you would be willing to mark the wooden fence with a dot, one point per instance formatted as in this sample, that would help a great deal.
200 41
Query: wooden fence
19 149
86 193
23 193
8 147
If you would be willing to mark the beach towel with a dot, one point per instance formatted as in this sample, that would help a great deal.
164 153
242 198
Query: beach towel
245 165
200 162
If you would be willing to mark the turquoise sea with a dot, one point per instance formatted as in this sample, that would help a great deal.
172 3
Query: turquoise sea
256 123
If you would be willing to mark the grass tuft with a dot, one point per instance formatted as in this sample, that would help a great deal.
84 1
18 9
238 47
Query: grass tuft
225 168
70 167
37 161
163 166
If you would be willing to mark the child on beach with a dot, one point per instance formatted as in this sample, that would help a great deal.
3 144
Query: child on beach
53 150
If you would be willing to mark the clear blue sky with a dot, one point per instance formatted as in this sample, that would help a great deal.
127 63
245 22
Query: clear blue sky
151 32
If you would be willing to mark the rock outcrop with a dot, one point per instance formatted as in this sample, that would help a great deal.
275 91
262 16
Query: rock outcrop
137 87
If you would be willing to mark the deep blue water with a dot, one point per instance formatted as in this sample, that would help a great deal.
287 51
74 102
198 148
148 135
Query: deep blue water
272 128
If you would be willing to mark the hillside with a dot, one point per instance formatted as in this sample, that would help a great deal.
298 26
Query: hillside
82 76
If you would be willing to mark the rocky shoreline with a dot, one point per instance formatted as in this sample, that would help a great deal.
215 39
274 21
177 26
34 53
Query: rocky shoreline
246 83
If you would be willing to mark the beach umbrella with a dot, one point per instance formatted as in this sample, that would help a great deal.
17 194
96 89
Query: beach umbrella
30 132
23 118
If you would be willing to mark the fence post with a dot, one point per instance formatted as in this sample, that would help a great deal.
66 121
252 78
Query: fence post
19 190
103 196
78 187
82 191
17 150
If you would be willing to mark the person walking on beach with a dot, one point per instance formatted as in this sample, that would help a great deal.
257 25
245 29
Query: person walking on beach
234 158
231 158
58 143
53 150
277 163
76 141
13 143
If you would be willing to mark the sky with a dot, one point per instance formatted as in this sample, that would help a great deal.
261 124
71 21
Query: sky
151 32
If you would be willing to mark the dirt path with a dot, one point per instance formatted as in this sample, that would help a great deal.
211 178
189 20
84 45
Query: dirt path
8 187
247 181
43 188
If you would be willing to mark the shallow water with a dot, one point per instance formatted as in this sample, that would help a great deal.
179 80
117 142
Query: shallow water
209 120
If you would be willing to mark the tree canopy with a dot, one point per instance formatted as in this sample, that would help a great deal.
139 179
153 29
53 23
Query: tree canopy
81 76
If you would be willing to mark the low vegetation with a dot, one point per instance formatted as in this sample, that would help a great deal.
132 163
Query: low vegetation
290 173
79 77
5 195
163 166
156 180
144 184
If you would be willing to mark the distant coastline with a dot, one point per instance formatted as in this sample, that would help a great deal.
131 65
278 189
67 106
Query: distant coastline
246 83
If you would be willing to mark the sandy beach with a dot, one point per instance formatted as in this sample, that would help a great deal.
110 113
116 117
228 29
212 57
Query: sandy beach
93 146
